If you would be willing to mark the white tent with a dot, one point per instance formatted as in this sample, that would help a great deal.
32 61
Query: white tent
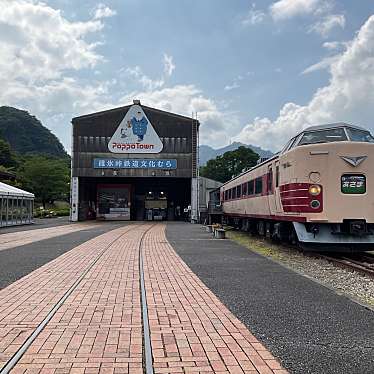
5 189
16 206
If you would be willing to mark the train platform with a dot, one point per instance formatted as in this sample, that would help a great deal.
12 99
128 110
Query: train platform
120 301
309 327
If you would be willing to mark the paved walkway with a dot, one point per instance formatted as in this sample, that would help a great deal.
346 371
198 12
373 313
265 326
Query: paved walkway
99 326
16 239
311 328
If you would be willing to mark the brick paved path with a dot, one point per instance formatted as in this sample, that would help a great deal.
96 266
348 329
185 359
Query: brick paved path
15 239
99 327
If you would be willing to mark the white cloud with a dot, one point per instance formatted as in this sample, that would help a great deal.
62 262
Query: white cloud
147 82
169 66
232 86
328 23
332 46
186 99
318 9
39 72
31 52
103 11
37 65
324 64
254 17
348 97
284 9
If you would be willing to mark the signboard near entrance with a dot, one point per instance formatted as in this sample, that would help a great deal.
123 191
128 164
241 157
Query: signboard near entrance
135 134
134 163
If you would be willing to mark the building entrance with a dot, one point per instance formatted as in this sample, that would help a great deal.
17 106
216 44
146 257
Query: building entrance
140 199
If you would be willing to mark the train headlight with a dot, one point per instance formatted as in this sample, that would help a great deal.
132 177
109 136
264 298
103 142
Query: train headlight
315 204
315 190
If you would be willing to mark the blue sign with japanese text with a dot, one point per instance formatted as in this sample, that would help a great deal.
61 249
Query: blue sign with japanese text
133 163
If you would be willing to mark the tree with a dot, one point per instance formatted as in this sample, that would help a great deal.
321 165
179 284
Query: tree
47 178
27 135
7 158
223 167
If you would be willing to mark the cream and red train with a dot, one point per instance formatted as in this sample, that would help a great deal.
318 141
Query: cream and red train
320 188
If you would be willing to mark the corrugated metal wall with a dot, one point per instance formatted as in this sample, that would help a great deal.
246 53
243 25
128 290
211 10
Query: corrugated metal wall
92 133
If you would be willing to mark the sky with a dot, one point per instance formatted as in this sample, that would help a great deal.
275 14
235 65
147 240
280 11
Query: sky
255 72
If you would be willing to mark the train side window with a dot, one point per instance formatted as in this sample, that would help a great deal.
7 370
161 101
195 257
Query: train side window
270 180
251 187
233 193
277 176
244 189
258 185
239 191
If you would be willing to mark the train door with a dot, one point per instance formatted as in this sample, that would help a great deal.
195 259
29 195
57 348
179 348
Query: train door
270 189
276 187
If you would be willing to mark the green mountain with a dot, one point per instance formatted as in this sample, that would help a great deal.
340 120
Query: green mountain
26 134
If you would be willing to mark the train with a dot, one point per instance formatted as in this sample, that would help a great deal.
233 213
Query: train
317 191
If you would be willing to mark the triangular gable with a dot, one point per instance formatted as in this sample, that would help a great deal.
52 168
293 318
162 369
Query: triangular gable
135 134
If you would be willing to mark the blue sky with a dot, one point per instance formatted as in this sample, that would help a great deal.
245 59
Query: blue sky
254 72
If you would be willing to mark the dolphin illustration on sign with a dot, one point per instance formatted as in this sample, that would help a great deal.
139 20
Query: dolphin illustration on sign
135 134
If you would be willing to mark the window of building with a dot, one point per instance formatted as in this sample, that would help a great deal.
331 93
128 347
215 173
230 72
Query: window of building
323 136
251 187
258 185
270 180
239 191
244 189
277 176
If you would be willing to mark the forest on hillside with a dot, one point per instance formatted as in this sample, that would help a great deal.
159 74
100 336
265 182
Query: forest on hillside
32 158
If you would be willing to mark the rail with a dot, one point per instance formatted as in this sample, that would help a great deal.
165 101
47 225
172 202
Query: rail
147 349
360 262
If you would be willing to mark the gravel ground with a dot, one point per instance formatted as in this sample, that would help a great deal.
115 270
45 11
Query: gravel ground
344 281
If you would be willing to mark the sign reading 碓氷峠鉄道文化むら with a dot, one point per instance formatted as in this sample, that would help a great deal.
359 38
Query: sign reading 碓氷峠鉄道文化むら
124 163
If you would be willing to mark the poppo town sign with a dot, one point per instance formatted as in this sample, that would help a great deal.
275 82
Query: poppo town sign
135 134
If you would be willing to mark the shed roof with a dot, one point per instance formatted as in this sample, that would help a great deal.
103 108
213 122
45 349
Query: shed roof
126 108
5 189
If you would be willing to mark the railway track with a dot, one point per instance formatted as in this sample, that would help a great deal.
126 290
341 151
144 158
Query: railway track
147 349
360 262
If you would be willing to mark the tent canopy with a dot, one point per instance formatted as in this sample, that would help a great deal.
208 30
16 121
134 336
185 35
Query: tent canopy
7 190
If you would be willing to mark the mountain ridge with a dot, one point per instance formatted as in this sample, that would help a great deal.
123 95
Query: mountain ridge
26 135
206 152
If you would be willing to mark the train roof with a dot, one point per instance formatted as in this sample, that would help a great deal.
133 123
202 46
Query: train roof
331 126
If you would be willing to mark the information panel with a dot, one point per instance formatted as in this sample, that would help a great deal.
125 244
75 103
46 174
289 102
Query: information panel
353 184
134 163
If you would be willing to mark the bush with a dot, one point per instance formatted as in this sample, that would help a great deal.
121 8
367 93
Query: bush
49 213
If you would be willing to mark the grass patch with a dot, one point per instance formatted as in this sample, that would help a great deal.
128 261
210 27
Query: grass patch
255 244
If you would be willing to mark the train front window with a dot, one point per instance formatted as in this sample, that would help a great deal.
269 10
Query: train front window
356 135
323 136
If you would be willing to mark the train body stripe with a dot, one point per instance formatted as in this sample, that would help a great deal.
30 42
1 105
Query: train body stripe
271 217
